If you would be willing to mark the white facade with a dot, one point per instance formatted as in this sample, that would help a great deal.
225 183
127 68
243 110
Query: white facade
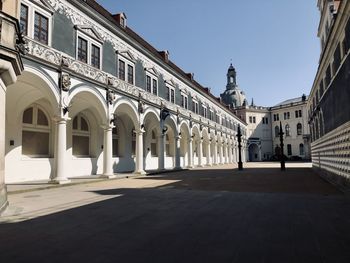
66 118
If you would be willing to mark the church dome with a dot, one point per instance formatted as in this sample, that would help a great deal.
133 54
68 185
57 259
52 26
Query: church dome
233 95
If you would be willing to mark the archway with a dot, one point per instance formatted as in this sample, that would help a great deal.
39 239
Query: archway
254 152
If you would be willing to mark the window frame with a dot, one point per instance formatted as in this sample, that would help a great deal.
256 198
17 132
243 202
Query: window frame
81 133
35 127
90 42
45 12
152 76
127 62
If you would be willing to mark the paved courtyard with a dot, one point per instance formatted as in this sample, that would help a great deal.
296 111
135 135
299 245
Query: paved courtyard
215 214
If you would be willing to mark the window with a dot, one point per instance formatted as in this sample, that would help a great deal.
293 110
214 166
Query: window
287 130
287 115
88 50
195 107
35 133
81 137
276 117
204 112
41 28
115 142
154 145
82 50
95 56
172 98
155 86
328 77
184 101
250 119
121 69
289 149
167 93
130 74
265 120
148 84
337 58
301 149
298 114
24 19
277 131
299 129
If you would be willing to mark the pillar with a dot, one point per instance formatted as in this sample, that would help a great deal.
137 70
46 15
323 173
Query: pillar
221 153
215 153
139 153
161 155
207 150
177 152
3 195
226 153
190 153
107 152
230 153
200 152
60 175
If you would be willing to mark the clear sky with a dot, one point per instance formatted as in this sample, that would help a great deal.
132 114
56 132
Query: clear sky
272 43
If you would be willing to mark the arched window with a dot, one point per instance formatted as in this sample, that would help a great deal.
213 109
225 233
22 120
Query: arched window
115 134
154 148
299 129
287 130
277 131
35 133
81 136
301 149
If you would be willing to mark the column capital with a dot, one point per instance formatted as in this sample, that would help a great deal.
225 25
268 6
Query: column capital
107 127
61 119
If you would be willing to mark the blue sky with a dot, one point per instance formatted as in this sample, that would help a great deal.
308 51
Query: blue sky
272 43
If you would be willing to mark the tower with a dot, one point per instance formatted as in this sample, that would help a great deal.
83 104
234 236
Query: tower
233 96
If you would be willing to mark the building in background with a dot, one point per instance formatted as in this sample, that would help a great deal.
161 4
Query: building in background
10 67
328 104
263 124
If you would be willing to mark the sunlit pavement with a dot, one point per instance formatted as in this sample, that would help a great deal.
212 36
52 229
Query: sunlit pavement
217 214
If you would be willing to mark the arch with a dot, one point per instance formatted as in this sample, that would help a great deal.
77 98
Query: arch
150 110
301 149
254 152
299 129
287 130
86 94
41 81
124 106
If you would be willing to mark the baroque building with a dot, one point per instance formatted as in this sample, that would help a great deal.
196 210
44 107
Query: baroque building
328 104
96 98
263 124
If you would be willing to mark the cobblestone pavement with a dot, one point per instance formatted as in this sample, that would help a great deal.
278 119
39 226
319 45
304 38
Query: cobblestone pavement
217 214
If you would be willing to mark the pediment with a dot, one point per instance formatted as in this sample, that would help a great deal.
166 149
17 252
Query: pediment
170 82
127 54
152 70
90 31
44 4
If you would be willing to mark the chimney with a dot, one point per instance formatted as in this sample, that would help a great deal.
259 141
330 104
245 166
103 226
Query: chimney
121 19
165 55
190 76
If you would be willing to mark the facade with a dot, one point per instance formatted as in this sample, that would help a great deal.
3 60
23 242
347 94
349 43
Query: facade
10 67
292 114
96 98
328 104
263 126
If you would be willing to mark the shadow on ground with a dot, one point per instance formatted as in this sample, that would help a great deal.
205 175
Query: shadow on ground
257 180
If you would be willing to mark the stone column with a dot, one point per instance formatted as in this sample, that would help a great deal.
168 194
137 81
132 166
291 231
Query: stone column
221 153
60 175
230 153
226 153
215 153
190 153
207 150
161 155
107 152
177 152
200 152
139 153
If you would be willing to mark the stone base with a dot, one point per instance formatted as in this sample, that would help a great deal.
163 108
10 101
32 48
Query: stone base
106 176
140 172
57 181
3 199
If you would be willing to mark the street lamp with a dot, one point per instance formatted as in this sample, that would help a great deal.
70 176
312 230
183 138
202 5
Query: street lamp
239 136
283 165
